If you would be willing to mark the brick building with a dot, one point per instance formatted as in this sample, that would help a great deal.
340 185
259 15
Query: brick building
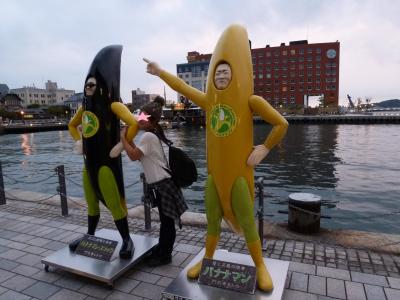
286 75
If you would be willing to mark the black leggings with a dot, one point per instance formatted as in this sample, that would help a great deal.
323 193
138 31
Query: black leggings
167 234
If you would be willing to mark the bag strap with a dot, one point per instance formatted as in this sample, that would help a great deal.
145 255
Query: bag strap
168 169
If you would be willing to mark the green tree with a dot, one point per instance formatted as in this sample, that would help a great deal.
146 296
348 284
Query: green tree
59 110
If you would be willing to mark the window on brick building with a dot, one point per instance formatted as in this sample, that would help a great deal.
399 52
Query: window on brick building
292 52
284 52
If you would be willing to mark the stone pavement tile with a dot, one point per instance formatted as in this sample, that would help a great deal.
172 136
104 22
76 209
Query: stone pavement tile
12 254
165 281
4 242
394 282
70 227
54 234
47 253
22 237
67 295
144 276
30 259
125 285
72 283
46 232
95 290
299 281
2 290
7 234
335 288
374 292
302 268
355 290
38 221
179 258
4 249
25 218
188 260
18 283
116 295
11 295
188 248
148 290
297 295
38 241
327 298
66 236
34 249
392 294
55 224
41 290
54 245
317 285
49 277
26 270
17 245
369 279
333 273
7 264
5 275
167 270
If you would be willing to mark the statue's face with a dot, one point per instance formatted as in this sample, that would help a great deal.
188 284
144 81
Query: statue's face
222 76
90 86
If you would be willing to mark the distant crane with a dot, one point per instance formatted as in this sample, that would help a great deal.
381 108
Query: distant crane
351 102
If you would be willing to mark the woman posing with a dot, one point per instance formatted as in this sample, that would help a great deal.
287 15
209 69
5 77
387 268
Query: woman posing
161 189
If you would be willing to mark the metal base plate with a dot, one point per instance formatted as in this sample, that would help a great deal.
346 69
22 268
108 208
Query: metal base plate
191 289
101 270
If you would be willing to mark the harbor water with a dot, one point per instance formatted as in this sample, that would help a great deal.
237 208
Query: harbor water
354 168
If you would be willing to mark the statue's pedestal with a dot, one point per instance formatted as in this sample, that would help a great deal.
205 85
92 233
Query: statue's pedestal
104 271
183 288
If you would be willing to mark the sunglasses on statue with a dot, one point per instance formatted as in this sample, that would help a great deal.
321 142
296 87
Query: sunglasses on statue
90 85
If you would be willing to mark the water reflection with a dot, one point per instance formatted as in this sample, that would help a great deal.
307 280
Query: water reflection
25 144
305 159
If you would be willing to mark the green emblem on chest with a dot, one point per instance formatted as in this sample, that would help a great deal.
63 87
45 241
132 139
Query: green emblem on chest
90 124
222 120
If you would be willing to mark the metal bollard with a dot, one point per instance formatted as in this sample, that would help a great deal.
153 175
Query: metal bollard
260 211
2 192
62 189
146 203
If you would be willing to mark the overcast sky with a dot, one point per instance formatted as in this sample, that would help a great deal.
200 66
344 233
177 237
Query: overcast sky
57 40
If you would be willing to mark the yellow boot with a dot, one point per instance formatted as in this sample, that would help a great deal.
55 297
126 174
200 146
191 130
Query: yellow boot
264 280
211 245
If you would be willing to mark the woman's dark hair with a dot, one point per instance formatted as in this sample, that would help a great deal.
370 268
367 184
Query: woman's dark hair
154 109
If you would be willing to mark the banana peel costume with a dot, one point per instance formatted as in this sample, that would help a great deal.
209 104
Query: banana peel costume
229 192
100 116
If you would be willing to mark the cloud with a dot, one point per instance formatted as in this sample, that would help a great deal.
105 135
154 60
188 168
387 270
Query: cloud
57 40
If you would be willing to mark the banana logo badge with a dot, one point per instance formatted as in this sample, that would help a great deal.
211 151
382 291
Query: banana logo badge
90 124
222 120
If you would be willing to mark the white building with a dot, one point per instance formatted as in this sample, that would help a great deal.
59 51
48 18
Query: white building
51 95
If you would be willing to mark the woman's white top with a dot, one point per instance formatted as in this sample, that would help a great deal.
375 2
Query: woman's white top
153 159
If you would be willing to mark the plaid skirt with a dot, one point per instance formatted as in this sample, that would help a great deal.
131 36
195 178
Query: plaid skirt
168 195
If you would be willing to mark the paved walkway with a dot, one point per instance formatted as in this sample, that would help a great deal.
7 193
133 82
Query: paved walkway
31 231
